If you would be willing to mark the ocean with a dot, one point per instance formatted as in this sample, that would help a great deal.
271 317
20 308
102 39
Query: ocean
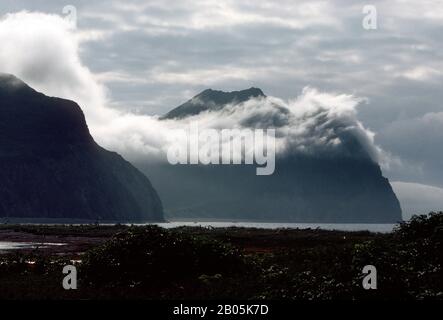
373 227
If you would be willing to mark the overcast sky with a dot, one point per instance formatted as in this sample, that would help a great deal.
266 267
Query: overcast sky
153 55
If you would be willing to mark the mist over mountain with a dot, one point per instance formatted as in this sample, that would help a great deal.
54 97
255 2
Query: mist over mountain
51 167
212 100
326 164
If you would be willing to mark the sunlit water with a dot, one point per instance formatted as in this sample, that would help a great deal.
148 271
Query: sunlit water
7 245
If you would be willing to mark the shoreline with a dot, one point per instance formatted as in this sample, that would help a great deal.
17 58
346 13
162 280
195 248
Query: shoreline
57 239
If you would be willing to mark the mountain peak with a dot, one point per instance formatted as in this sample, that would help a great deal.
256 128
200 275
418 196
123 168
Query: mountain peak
222 97
251 92
11 84
211 100
11 81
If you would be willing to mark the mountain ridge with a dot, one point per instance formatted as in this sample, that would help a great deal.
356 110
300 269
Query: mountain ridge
51 167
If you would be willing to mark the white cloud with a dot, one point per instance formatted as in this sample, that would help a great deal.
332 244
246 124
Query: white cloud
201 15
119 76
207 76
314 123
44 51
421 73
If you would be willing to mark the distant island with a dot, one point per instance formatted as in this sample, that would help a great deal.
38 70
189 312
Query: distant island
346 187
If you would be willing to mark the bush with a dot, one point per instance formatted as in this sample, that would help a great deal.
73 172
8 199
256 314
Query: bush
157 258
421 226
409 264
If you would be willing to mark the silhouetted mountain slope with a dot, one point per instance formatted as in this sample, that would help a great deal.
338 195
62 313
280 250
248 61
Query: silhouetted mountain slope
212 100
300 190
327 188
50 166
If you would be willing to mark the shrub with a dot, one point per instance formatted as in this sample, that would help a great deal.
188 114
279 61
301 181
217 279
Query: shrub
410 263
156 257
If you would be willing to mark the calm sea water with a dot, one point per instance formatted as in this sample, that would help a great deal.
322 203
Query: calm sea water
267 225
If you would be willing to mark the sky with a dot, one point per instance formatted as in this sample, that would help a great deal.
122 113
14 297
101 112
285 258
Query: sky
144 58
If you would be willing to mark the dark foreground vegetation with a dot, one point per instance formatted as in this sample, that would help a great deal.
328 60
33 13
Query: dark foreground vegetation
149 262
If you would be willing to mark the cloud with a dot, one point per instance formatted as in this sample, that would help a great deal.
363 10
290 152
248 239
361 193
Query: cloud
421 73
315 123
418 140
207 76
201 15
43 50
418 198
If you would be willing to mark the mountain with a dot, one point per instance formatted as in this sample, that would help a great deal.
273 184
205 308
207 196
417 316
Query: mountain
51 167
336 188
211 100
